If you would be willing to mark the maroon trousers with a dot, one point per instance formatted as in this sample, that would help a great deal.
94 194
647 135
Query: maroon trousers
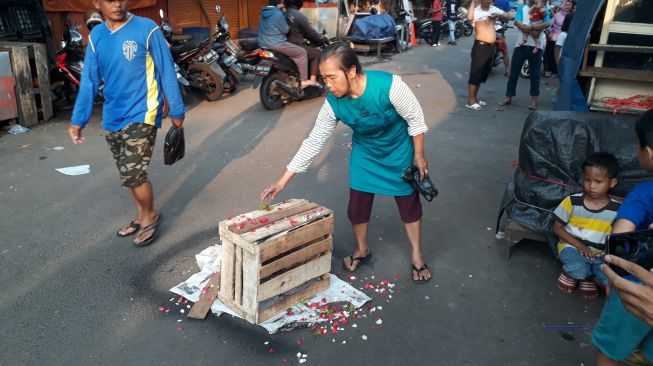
360 207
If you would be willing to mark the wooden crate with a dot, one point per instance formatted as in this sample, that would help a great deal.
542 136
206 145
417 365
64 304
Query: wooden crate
514 233
273 259
29 65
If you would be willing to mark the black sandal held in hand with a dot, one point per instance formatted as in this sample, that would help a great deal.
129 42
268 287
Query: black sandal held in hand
420 270
132 225
359 261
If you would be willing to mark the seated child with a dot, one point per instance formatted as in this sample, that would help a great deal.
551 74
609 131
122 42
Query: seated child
584 220
618 333
536 16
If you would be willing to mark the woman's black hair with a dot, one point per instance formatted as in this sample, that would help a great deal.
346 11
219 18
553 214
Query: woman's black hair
567 22
344 54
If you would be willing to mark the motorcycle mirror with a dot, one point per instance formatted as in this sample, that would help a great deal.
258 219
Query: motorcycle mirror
218 9
161 13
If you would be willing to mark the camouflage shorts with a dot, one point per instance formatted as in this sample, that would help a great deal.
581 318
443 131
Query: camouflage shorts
132 150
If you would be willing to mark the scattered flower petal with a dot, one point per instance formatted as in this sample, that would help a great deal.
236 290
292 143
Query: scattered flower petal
179 327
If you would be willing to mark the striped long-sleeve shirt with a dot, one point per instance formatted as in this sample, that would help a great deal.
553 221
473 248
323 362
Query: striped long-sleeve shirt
401 97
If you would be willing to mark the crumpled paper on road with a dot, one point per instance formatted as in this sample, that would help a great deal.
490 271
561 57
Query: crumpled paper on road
209 262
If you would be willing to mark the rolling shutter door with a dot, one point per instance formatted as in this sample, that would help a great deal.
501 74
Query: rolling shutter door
189 13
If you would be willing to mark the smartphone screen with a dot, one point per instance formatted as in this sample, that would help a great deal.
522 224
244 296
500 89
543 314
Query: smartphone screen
635 246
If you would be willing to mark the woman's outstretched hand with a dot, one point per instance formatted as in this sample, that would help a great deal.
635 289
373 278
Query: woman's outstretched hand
271 192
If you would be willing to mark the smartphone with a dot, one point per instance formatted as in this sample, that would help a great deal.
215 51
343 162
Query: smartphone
635 246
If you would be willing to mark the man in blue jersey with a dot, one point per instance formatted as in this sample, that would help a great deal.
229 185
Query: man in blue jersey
129 54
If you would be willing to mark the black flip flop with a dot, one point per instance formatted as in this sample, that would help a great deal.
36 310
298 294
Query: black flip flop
361 261
132 225
420 270
151 227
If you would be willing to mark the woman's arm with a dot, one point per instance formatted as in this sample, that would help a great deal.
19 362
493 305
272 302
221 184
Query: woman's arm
324 126
408 107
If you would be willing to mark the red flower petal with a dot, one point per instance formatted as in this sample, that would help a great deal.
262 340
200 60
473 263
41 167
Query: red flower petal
179 327
299 342
284 361
162 309
229 217
252 230
334 331
263 220
271 350
324 299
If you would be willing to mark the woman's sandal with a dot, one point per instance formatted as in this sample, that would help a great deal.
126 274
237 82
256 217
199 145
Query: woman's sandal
359 261
420 270
151 227
567 284
589 290
132 225
505 102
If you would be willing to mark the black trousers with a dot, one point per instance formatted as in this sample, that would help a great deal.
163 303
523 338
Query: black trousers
435 35
549 57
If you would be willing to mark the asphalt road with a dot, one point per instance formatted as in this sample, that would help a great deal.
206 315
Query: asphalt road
72 293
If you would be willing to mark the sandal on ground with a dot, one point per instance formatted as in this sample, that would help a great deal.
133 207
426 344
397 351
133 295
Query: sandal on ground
151 227
482 103
475 106
355 262
132 225
420 270
532 107
505 102
589 290
506 74
567 284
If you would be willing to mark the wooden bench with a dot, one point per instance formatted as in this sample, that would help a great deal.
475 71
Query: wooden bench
514 233
370 43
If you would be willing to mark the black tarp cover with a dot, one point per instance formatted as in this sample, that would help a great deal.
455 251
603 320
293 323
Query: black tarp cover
552 149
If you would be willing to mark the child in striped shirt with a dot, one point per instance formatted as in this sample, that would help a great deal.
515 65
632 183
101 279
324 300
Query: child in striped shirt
583 222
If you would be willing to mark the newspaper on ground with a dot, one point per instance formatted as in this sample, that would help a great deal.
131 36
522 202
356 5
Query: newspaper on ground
209 262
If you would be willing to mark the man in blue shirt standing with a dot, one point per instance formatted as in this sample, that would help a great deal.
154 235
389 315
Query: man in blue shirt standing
129 54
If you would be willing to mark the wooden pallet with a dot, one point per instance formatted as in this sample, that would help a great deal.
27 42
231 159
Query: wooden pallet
29 62
273 259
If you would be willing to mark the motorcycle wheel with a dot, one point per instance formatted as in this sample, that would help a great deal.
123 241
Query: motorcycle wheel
468 31
210 82
231 82
270 101
457 32
525 71
63 96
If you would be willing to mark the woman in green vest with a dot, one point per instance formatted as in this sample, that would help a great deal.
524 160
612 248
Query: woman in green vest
388 136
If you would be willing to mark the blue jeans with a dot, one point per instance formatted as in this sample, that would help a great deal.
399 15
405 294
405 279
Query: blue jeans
519 55
452 28
580 268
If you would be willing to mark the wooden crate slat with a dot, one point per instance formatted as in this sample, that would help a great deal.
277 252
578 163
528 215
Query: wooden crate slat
43 74
201 308
226 234
283 225
225 224
227 270
238 269
294 277
250 282
323 282
272 248
292 259
276 215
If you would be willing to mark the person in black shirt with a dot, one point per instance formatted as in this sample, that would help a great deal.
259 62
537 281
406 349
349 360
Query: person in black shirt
451 7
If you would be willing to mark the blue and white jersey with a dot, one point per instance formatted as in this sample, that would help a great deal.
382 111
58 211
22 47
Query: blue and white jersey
137 69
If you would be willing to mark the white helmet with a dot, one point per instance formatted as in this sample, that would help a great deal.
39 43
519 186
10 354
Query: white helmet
93 19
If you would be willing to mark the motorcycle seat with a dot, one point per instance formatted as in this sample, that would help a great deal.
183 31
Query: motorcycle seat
248 44
188 46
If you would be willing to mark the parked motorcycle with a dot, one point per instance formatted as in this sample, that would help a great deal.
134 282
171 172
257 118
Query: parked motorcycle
458 28
424 29
197 63
279 79
66 70
467 25
500 28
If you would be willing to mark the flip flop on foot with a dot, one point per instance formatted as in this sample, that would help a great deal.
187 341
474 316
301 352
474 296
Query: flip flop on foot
417 272
475 106
505 102
566 284
355 262
532 107
129 230
589 290
153 228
